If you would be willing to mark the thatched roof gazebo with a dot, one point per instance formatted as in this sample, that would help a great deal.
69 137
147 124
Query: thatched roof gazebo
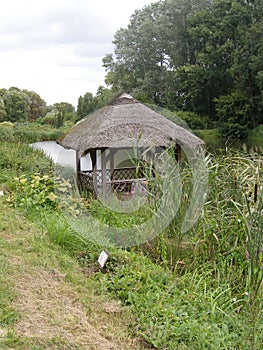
124 124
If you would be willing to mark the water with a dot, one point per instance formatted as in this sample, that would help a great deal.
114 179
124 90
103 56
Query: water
61 155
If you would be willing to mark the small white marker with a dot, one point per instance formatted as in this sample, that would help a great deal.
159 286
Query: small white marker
104 256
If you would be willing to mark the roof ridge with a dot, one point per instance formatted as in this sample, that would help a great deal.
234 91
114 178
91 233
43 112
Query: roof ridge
124 98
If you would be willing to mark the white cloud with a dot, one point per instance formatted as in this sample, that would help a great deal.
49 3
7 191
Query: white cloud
55 47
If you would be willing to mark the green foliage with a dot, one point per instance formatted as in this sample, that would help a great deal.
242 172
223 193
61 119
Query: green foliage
214 298
189 55
49 118
173 312
17 158
212 138
17 105
89 103
7 314
3 114
85 105
63 111
194 121
177 117
234 115
58 115
115 219
37 106
36 191
65 107
7 131
255 137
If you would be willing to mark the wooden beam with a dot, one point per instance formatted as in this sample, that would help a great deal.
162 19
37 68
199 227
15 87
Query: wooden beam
111 155
78 170
93 156
112 152
103 171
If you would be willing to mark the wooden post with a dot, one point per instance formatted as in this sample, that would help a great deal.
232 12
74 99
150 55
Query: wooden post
103 171
112 153
77 171
93 156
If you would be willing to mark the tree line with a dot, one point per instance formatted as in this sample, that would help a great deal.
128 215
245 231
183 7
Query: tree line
201 57
18 105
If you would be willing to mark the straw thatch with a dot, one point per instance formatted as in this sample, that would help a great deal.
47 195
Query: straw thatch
126 123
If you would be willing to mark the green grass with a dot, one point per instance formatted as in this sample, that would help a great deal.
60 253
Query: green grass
7 313
186 311
46 301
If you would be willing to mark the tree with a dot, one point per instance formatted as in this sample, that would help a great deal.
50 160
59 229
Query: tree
38 106
193 55
227 40
85 105
17 105
148 53
3 115
67 107
89 103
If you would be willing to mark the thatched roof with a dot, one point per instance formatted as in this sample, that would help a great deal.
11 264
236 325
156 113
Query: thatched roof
126 123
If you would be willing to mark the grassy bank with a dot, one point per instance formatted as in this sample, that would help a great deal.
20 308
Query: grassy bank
201 290
215 141
47 301
31 132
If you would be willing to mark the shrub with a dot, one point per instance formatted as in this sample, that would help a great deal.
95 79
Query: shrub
194 120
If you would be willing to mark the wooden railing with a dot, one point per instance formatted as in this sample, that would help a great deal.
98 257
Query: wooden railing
120 180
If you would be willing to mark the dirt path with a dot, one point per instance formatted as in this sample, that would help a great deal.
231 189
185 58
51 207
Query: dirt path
51 309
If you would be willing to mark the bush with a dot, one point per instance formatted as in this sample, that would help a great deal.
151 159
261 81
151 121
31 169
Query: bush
194 121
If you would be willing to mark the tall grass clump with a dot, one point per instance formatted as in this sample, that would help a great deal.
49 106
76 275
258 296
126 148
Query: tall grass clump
236 209
227 239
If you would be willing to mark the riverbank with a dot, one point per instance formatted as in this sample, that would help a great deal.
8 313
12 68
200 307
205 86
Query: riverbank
193 291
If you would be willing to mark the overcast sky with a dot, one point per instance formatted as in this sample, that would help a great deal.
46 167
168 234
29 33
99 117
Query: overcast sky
55 47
